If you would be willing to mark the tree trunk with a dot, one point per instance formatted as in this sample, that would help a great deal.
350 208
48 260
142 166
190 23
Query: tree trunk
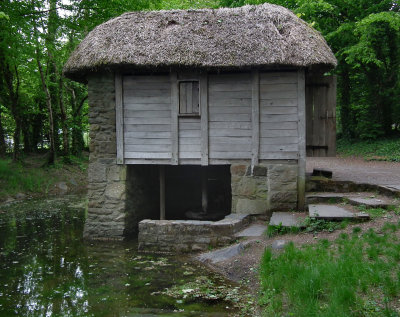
26 133
17 134
3 147
63 118
52 151
77 129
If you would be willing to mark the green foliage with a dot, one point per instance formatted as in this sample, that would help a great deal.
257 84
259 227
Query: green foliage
382 150
365 37
14 179
353 276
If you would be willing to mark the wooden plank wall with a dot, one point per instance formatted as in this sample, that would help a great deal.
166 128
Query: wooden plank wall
278 115
147 117
189 138
230 111
150 110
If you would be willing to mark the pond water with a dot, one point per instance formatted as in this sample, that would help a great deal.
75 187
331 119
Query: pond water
47 269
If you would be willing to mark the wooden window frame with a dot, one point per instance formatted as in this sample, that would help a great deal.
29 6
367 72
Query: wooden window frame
193 114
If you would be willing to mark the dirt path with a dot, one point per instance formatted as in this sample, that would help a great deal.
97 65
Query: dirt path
358 170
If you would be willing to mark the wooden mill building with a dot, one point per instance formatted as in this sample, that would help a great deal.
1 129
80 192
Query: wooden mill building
198 110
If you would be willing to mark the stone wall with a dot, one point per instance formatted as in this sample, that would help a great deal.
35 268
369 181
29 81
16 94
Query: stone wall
263 188
177 236
107 180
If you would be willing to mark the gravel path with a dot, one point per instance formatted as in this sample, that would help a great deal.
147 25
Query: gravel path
358 170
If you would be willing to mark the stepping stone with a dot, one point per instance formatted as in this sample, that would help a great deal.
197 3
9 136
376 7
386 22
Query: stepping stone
324 197
221 254
369 202
332 212
287 219
256 230
278 244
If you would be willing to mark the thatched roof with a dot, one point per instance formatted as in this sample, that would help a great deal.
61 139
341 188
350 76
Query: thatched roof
249 36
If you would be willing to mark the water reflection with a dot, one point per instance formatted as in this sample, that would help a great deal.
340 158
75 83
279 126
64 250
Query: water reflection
46 269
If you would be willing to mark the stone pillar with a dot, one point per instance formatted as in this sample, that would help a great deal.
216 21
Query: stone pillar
282 186
249 189
107 180
264 188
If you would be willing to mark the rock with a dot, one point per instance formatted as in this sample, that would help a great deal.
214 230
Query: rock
221 254
278 244
73 182
62 186
20 196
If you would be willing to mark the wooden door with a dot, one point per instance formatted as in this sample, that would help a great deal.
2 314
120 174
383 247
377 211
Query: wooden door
321 116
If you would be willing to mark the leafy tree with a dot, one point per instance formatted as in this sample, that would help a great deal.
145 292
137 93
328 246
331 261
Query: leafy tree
364 36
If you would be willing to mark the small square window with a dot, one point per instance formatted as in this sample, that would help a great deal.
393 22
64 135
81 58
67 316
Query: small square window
189 100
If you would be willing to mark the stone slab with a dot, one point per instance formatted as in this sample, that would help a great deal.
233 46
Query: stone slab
333 212
369 202
221 254
255 230
287 219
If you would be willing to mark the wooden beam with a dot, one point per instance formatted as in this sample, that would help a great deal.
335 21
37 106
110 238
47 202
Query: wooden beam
301 104
255 117
204 118
162 192
119 118
174 118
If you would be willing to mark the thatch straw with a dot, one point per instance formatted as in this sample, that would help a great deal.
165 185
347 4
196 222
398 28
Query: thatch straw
249 36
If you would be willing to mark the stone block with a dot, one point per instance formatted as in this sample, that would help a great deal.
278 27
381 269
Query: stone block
115 190
260 170
238 169
283 196
97 173
247 187
116 173
251 206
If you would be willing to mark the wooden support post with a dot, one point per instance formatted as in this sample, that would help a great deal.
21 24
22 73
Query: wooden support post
301 108
255 117
174 118
162 192
204 118
119 120
204 189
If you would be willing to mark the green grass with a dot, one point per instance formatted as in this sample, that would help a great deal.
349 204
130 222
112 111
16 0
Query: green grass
382 149
357 275
33 176
14 178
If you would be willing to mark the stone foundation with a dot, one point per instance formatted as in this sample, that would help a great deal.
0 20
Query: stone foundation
107 180
263 188
177 236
